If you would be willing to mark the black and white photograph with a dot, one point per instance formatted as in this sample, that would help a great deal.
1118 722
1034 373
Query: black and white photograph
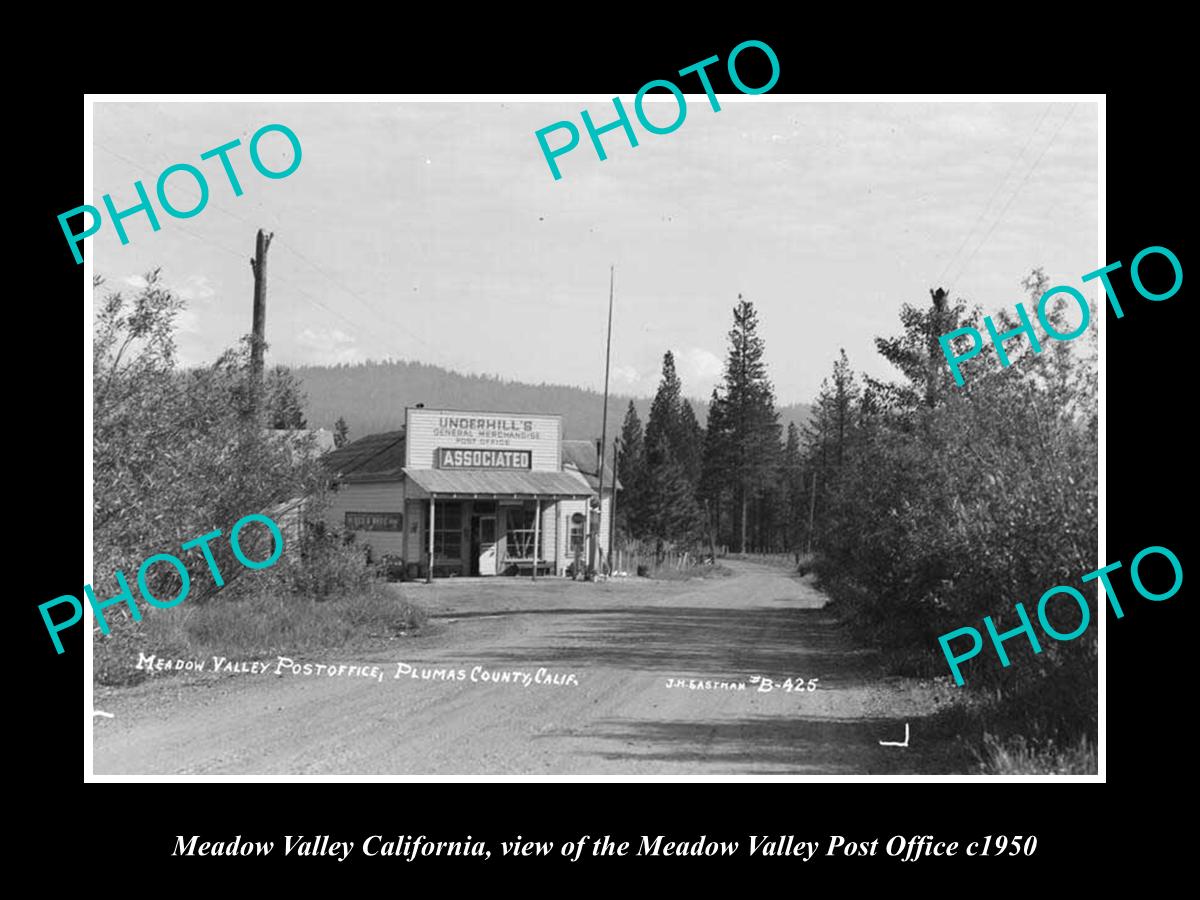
527 437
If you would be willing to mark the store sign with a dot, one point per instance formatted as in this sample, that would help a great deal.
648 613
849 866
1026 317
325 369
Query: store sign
444 439
374 521
468 458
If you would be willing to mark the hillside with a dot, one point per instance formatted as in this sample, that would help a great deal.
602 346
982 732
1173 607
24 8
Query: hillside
372 397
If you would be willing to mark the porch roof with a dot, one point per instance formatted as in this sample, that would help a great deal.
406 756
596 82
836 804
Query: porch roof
497 484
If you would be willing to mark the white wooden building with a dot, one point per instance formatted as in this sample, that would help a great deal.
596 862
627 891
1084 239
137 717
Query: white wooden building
478 493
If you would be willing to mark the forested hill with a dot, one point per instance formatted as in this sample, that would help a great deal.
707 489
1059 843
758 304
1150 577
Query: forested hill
372 397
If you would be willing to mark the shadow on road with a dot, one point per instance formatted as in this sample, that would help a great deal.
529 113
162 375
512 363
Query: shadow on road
699 642
771 744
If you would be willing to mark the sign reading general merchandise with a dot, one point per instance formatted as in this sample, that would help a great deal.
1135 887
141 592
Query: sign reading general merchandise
454 439
464 458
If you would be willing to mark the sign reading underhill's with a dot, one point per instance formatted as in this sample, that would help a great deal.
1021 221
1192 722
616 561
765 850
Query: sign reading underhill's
464 458
483 439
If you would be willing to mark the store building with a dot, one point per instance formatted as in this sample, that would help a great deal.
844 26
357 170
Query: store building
472 494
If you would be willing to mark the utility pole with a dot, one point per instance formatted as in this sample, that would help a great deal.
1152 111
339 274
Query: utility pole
258 340
603 427
612 505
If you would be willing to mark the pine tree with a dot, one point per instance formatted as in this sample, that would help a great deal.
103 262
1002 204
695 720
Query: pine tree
341 432
689 446
793 487
663 428
917 353
831 433
714 474
285 400
632 474
845 400
671 511
752 419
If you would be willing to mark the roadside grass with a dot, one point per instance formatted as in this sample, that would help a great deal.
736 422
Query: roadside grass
264 623
1018 756
1004 736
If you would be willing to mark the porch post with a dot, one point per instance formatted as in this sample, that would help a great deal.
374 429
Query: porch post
429 573
537 534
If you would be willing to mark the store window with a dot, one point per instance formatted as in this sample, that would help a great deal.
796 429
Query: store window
447 531
519 533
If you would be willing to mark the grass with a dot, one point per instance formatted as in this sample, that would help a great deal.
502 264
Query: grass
1018 756
1006 735
264 624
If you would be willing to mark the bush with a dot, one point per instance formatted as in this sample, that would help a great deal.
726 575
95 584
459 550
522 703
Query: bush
953 503
178 454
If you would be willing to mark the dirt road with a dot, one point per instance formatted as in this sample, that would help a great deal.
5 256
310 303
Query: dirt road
622 641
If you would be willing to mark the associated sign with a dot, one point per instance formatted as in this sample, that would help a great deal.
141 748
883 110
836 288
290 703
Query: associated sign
465 458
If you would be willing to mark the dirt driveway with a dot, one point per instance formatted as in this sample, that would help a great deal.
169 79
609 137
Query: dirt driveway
623 642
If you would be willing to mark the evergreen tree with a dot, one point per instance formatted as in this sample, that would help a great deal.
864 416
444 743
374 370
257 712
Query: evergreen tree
672 517
752 420
284 400
671 511
632 474
917 353
663 426
714 474
830 433
341 432
793 487
689 447
844 404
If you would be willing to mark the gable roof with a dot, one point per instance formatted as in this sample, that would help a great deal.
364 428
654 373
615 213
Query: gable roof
582 455
376 457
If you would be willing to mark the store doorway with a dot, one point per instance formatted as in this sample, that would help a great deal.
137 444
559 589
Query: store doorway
483 546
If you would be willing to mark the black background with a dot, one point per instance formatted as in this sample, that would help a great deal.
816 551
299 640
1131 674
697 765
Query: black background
129 829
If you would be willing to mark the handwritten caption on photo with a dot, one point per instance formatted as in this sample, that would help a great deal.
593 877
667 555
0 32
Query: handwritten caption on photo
284 665
765 684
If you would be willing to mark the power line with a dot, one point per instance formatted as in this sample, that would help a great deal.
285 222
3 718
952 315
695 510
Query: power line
995 193
1017 191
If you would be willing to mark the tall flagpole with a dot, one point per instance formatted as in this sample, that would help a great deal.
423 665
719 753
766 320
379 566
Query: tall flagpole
604 419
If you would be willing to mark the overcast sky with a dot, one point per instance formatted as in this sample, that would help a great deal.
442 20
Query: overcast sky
435 231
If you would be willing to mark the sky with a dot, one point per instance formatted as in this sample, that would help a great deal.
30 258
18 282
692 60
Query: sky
435 231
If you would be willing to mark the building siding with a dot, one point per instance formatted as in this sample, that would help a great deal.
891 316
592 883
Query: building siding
360 497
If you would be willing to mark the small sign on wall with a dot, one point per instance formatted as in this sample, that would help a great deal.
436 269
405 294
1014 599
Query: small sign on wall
375 521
